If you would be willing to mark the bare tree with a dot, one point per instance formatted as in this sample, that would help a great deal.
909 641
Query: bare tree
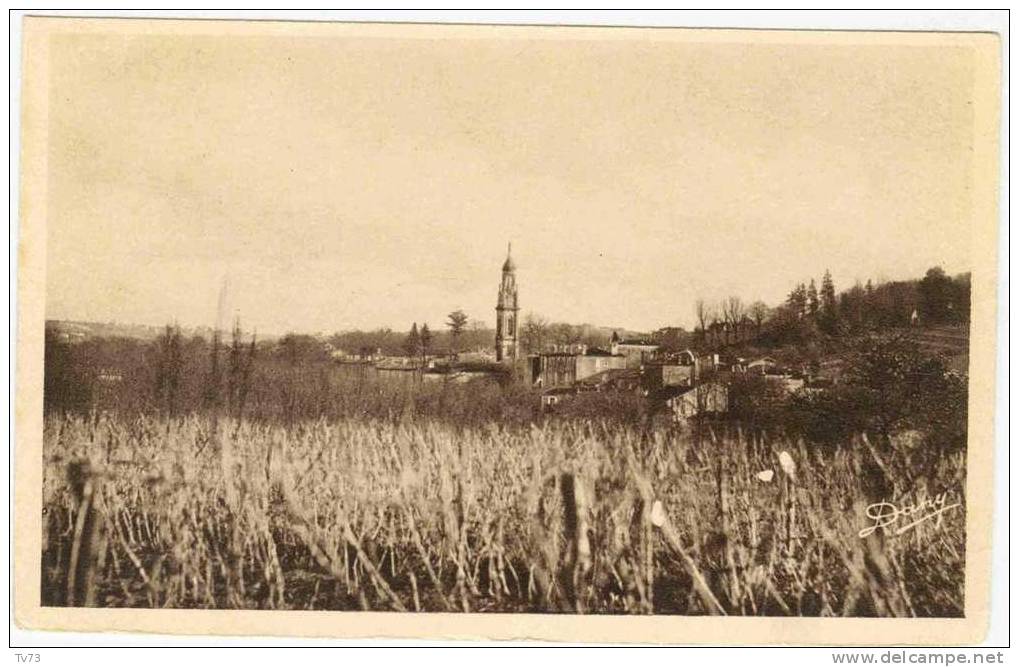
535 332
758 313
561 333
733 311
704 315
477 335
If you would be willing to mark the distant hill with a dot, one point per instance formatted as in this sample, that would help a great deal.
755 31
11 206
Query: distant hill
76 331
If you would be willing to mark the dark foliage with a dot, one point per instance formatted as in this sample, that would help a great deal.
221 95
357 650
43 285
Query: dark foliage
615 407
889 385
67 383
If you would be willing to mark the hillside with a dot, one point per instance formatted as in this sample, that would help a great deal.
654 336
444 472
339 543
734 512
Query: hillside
951 341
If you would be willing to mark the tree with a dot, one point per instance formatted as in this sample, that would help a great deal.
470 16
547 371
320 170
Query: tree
901 387
241 360
813 304
210 391
457 322
935 296
67 386
477 335
961 297
670 338
852 308
412 343
797 300
704 315
828 293
829 307
733 314
534 334
426 340
366 343
561 333
758 313
169 368
295 348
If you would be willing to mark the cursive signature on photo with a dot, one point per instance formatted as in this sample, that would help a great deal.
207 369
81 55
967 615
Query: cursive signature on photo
897 519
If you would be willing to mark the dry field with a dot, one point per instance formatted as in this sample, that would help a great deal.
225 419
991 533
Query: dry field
423 515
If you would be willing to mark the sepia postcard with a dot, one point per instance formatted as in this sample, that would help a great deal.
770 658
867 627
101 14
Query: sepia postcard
582 334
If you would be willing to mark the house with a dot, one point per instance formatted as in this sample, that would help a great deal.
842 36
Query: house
674 369
570 364
709 363
635 350
709 398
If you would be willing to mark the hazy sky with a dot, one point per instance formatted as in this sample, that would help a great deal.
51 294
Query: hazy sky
344 183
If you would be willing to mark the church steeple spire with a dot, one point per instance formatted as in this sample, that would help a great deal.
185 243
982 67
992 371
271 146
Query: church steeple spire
509 265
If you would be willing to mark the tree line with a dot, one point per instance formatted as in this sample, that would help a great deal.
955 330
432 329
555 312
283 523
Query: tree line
811 311
460 334
535 334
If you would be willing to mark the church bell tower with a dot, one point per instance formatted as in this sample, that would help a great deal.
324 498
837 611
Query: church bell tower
506 309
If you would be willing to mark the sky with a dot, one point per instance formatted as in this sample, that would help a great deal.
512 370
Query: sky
339 182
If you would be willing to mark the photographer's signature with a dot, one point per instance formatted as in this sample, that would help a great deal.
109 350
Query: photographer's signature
895 519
